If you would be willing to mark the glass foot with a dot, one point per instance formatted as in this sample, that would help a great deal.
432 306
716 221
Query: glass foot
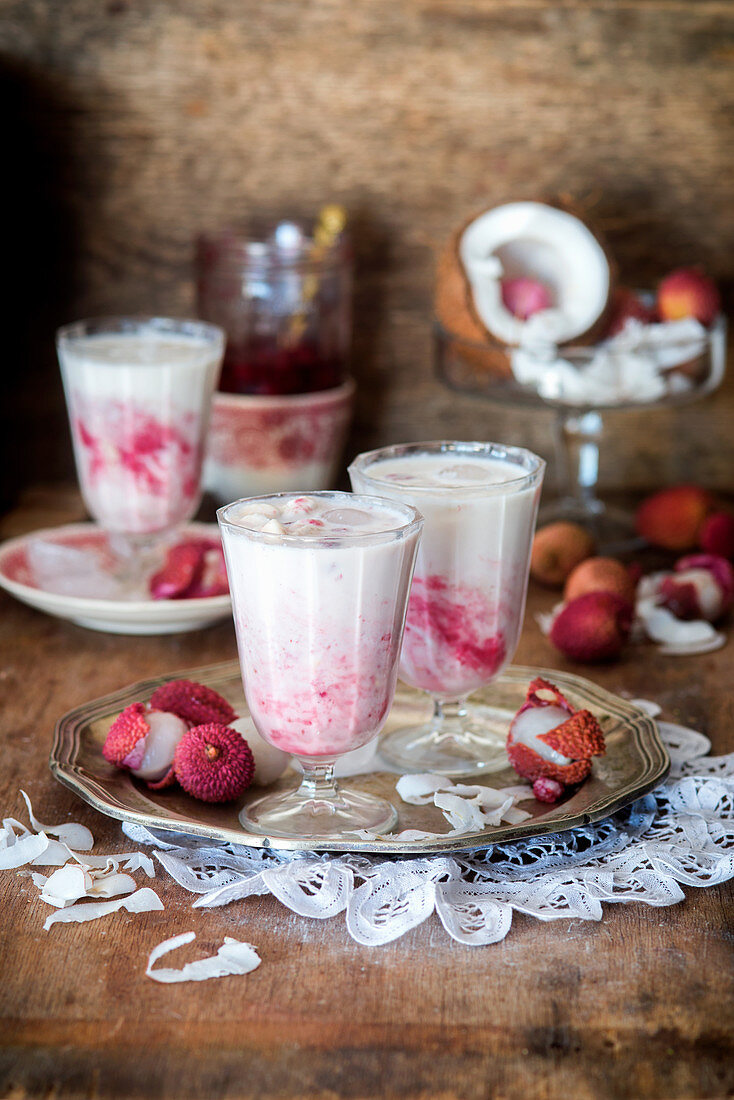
289 814
458 740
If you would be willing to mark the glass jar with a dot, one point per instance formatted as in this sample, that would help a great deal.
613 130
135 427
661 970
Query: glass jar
282 293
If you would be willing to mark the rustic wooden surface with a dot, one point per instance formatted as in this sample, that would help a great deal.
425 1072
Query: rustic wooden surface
135 123
638 1005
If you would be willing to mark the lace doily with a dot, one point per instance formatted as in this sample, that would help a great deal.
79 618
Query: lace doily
681 834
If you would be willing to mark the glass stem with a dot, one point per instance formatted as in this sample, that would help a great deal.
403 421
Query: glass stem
318 783
577 453
449 716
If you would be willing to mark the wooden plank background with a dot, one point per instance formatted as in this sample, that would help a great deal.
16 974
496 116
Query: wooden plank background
134 123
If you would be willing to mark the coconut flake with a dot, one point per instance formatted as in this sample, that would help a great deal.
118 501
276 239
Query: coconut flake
419 789
71 883
75 835
679 637
233 957
142 901
22 850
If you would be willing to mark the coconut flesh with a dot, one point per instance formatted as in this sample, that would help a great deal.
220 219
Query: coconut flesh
540 242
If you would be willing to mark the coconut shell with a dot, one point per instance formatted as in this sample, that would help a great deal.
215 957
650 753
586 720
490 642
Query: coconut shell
455 309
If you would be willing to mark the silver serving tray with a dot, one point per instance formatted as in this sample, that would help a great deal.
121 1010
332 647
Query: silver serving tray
635 762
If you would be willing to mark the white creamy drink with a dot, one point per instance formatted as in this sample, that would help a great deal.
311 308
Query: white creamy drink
138 404
319 587
479 502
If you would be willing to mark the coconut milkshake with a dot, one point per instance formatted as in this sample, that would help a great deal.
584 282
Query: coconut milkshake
319 586
138 394
467 602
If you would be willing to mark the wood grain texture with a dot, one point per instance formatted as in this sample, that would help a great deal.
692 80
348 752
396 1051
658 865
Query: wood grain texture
638 1005
137 123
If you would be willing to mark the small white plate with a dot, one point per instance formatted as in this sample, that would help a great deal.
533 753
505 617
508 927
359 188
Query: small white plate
111 616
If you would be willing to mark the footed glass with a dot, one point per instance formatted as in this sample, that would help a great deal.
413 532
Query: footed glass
138 392
479 502
319 587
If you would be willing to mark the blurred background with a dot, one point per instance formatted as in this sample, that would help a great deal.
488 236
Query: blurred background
130 125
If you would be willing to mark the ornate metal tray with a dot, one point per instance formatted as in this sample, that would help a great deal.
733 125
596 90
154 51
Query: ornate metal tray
635 762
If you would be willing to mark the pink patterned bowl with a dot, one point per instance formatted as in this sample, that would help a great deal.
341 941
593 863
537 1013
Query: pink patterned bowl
272 444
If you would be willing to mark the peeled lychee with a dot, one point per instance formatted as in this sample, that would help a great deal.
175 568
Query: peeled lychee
270 762
213 763
627 306
525 296
592 627
717 534
687 292
673 518
557 549
549 740
144 740
701 587
600 575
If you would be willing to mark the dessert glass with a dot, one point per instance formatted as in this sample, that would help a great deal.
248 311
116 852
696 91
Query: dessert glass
579 396
319 594
138 392
479 502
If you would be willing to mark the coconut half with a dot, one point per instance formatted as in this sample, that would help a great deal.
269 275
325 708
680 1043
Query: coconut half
523 240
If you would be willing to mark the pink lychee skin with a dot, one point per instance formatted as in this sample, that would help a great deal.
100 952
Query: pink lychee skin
717 535
525 296
592 627
687 292
684 593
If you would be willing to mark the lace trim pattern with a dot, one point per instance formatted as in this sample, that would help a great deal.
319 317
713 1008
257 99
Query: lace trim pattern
680 835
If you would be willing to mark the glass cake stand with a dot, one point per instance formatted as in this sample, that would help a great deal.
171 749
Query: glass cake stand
564 385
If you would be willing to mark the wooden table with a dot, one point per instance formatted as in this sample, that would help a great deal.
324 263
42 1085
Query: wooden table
637 1005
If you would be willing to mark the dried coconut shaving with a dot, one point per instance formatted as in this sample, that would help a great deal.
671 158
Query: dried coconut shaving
233 957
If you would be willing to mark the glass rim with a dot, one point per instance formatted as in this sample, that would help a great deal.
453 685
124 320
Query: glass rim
123 323
413 521
531 476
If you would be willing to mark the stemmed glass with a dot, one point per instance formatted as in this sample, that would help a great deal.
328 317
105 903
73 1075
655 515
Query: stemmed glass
138 392
319 616
479 502
579 385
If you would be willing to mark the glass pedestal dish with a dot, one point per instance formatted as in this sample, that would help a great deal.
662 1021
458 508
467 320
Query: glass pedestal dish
567 382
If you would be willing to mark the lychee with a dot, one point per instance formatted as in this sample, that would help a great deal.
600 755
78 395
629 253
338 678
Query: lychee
672 518
213 763
627 306
600 575
193 569
550 740
717 534
557 549
144 740
592 627
687 292
524 296
270 762
193 702
701 587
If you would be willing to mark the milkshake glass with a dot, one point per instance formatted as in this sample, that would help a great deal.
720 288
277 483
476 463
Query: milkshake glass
138 392
319 587
479 502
